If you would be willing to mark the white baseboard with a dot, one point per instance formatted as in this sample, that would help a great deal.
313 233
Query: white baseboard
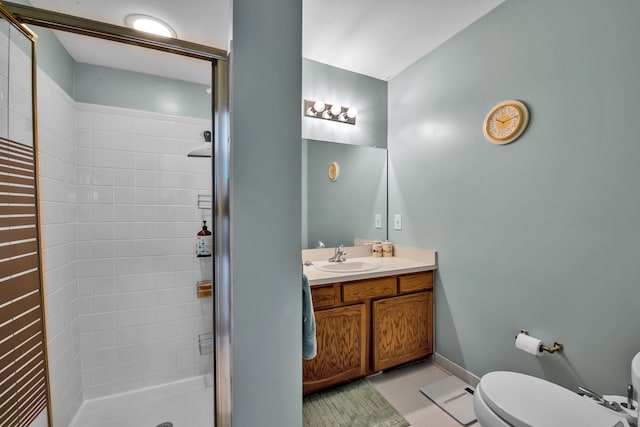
455 369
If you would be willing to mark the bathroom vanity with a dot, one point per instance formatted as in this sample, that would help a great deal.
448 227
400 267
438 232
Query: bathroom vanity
368 322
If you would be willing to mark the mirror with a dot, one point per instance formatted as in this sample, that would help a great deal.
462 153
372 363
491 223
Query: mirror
341 211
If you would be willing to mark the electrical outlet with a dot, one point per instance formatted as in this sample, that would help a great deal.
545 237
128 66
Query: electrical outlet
378 220
397 222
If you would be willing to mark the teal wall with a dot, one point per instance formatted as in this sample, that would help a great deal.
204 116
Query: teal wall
54 59
321 82
51 56
543 233
119 88
266 67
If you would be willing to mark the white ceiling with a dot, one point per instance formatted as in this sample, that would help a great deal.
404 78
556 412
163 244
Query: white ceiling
378 38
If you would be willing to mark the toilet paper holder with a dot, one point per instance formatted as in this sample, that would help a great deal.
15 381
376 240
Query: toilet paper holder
556 345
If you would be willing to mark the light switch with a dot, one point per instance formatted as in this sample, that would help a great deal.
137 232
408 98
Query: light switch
378 220
397 222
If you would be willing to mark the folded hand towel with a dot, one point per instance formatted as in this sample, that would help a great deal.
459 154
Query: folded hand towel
309 345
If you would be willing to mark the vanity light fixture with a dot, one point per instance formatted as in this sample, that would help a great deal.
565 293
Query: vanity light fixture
149 24
334 112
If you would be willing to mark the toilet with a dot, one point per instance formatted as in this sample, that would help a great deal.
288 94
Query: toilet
511 399
635 376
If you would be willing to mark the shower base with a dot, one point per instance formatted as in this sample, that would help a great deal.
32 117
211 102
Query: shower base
186 403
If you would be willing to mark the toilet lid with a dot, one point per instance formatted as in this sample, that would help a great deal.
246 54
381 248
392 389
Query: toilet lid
524 401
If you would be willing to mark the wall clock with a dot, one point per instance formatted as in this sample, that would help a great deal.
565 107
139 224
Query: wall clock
334 171
506 122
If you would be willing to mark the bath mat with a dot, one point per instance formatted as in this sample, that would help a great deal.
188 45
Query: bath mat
357 404
454 396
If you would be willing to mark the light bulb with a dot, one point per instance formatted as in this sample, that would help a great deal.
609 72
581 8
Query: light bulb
352 112
335 109
149 24
342 117
318 106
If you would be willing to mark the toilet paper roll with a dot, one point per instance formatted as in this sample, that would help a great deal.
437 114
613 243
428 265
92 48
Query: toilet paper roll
529 344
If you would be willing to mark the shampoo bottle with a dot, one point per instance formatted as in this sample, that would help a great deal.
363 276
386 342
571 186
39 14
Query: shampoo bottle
203 241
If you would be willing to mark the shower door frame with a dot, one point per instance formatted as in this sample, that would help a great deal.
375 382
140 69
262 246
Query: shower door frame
15 24
221 168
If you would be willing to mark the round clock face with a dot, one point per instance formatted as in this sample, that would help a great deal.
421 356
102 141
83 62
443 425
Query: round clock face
506 122
334 171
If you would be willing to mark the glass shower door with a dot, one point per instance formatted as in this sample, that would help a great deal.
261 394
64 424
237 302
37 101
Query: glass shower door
24 384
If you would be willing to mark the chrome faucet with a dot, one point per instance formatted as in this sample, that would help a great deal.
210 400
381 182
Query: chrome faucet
339 255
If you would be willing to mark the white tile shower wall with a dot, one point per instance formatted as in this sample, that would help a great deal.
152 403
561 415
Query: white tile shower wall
57 166
16 121
139 317
4 82
20 122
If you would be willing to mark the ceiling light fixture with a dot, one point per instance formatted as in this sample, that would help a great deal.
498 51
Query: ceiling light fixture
334 112
149 24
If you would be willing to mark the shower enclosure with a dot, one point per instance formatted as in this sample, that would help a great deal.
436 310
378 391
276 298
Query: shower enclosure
130 342
24 384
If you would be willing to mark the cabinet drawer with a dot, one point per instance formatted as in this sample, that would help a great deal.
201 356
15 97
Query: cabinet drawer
415 282
367 289
324 296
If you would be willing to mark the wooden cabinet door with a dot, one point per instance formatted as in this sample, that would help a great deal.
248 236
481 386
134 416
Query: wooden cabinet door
402 329
342 347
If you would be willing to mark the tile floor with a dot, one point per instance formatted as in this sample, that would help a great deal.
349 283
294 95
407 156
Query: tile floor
401 387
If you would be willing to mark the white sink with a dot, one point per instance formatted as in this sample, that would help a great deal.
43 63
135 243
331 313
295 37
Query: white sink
348 266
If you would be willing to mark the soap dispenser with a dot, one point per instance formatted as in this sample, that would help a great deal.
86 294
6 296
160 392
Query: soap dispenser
203 241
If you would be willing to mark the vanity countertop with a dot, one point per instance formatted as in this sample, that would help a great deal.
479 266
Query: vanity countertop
407 260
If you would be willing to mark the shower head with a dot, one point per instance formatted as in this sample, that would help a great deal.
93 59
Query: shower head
205 149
